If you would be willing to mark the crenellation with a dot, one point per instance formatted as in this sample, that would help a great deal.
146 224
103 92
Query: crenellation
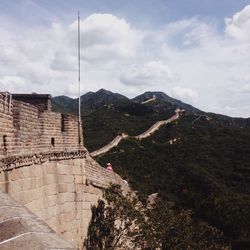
30 126
43 166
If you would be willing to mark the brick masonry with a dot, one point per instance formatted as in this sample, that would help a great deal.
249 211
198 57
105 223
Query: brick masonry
27 128
58 183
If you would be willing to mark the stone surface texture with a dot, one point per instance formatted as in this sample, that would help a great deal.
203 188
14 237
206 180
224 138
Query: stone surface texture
46 191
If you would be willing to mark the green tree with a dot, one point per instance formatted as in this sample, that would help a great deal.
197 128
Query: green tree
101 228
126 222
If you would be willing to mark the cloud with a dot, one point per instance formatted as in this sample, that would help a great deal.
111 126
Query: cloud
151 73
238 26
188 58
107 36
13 83
243 89
185 94
47 57
240 84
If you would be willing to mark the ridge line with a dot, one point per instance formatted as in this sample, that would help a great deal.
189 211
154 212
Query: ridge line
143 135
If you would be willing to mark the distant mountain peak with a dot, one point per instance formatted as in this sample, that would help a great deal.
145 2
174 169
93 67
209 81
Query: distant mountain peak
104 91
92 101
161 96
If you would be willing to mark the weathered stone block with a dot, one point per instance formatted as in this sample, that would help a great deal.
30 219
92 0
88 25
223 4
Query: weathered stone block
4 186
50 179
35 194
3 176
35 206
47 213
53 222
65 178
51 189
79 179
34 183
52 200
77 170
68 207
69 197
68 216
25 184
51 168
23 197
93 190
64 169
36 171
24 172
13 175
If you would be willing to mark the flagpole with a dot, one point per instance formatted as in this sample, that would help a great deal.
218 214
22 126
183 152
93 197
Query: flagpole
79 81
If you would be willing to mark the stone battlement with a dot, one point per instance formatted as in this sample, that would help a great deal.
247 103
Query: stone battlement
27 125
47 178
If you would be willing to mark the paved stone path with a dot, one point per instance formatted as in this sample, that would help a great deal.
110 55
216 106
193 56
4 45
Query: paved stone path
21 229
145 134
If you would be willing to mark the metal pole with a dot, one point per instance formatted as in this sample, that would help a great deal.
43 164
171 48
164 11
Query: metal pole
79 80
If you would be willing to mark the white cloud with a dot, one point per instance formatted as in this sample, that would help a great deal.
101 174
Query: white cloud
243 87
47 58
238 27
189 59
107 36
13 84
185 94
151 73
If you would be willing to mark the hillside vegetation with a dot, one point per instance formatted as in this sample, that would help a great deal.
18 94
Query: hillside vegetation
103 125
206 169
200 161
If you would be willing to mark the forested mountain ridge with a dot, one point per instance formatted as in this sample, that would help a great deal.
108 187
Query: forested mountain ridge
90 102
200 161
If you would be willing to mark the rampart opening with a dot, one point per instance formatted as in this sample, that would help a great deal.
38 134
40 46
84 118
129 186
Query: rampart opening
5 144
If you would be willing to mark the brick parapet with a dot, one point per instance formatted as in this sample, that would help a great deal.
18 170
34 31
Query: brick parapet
25 129
60 191
13 162
55 179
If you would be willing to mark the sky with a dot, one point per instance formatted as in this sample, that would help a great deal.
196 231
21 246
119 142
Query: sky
197 51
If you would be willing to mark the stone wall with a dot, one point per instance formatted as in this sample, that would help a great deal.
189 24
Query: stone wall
24 129
60 192
45 167
21 229
42 102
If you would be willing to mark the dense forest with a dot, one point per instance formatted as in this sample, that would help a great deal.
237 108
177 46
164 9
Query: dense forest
200 161
206 169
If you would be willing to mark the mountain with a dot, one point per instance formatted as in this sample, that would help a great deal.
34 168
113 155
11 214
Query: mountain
90 101
201 161
103 124
160 96
64 104
107 114
198 162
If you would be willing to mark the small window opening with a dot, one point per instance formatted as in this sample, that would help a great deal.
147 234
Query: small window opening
52 141
5 144
62 123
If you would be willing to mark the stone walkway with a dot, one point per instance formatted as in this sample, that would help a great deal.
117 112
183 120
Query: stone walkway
21 229
144 135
